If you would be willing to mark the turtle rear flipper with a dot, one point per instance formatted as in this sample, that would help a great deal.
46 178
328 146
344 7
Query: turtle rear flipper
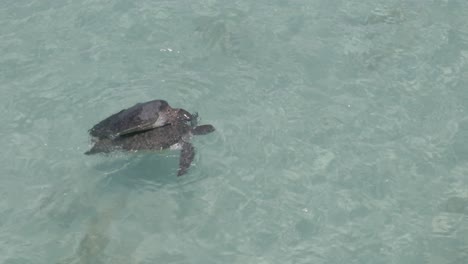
102 146
186 157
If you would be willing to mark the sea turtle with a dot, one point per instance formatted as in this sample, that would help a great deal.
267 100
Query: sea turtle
140 117
176 135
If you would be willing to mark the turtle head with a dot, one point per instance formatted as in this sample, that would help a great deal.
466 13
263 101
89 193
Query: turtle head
184 116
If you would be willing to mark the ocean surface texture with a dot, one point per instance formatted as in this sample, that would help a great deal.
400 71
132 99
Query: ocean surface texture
342 132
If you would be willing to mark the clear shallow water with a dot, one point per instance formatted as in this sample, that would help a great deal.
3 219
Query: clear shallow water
341 132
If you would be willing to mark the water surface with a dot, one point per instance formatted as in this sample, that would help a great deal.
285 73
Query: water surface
342 131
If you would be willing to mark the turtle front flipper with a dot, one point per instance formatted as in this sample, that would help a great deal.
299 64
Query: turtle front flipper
203 129
186 157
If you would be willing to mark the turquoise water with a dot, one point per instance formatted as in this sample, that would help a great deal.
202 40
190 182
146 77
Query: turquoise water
342 131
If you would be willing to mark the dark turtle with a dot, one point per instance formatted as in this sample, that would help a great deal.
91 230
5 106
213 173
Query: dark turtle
140 117
175 135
